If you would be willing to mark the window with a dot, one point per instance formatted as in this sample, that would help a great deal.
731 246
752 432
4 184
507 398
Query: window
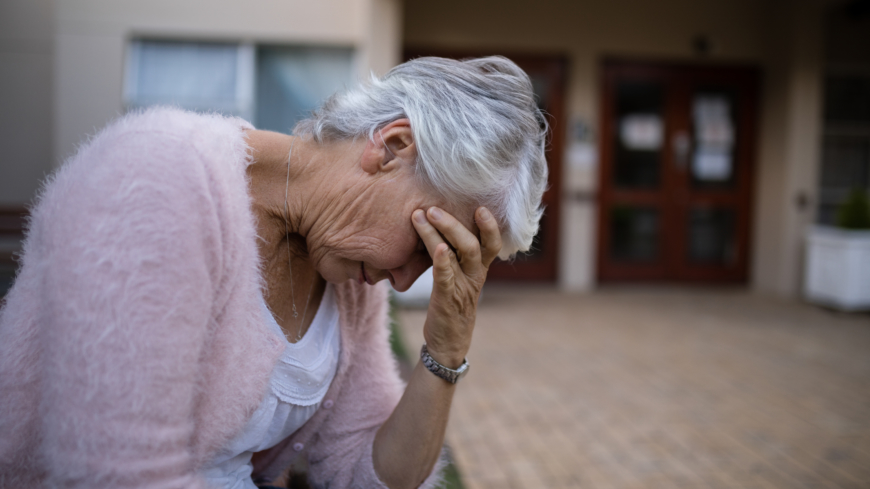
846 144
272 86
193 75
293 81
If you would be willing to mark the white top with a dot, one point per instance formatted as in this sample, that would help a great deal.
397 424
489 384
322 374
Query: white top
298 383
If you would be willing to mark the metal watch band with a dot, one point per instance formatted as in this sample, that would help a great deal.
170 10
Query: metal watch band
448 374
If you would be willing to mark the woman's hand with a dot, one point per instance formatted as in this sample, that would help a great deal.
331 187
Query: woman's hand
407 445
458 278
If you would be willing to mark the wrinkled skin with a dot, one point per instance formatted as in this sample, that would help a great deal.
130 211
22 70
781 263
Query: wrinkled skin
356 211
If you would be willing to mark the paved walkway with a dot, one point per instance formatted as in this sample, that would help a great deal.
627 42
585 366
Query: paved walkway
660 388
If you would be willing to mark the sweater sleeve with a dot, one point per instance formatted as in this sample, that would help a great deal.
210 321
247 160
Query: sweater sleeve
127 236
341 453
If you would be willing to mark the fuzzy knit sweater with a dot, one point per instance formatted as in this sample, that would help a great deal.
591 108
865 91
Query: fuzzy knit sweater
133 344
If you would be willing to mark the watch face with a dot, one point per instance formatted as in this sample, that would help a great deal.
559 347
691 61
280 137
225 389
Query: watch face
462 370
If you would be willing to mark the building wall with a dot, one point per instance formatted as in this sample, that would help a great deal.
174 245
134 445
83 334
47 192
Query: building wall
740 31
62 63
787 177
91 37
26 61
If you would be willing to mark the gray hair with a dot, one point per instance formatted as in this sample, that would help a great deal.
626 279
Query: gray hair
480 136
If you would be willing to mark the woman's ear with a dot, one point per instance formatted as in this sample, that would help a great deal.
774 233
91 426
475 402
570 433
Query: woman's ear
393 145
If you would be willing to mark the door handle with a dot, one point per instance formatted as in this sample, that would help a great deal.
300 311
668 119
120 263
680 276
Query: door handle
681 144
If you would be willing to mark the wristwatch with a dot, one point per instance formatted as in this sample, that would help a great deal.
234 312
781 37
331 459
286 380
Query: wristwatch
448 374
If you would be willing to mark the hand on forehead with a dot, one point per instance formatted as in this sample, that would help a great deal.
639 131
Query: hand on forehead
463 214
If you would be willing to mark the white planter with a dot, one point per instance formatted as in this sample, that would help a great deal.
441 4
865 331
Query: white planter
838 268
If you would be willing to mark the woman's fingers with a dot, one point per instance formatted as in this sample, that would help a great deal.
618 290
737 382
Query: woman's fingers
466 244
490 236
443 259
427 232
443 277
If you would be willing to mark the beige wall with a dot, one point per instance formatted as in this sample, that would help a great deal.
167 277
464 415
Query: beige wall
588 30
381 36
787 178
91 37
62 62
25 98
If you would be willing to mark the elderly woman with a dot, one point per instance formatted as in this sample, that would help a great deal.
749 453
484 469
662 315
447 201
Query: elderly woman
198 303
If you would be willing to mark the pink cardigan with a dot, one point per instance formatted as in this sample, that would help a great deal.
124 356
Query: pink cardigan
132 345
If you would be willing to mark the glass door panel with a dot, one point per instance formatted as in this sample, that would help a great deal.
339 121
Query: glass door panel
634 234
714 155
640 134
711 236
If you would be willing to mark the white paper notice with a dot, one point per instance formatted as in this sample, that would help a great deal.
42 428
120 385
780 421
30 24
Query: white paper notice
712 164
713 121
714 133
643 132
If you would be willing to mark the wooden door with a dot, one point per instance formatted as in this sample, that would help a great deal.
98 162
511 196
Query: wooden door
548 79
677 146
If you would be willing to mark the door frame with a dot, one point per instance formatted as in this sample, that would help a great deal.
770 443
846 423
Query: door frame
544 269
669 266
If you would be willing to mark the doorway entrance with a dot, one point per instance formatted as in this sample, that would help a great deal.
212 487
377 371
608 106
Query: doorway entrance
677 144
547 74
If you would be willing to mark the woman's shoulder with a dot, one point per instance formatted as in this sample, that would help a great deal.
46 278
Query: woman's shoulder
164 147
154 166
146 134
173 120
166 131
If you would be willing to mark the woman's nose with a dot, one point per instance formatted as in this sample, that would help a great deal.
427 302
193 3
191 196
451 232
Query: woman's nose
406 275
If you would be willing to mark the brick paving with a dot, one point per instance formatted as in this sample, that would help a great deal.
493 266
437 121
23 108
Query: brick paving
660 388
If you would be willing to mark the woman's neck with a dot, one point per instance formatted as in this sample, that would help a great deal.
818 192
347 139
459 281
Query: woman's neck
294 192
283 195
269 177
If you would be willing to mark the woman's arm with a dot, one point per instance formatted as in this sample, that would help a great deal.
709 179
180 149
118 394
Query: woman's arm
408 444
128 289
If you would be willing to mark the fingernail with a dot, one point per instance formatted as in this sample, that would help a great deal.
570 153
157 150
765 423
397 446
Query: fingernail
420 217
435 213
483 214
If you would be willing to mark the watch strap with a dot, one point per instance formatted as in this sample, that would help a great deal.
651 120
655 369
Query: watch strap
446 373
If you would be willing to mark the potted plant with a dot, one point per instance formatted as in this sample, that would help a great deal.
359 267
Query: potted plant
838 258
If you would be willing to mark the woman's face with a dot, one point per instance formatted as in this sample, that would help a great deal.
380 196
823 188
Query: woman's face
370 236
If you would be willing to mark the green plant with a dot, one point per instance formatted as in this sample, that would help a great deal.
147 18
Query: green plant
854 212
452 479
